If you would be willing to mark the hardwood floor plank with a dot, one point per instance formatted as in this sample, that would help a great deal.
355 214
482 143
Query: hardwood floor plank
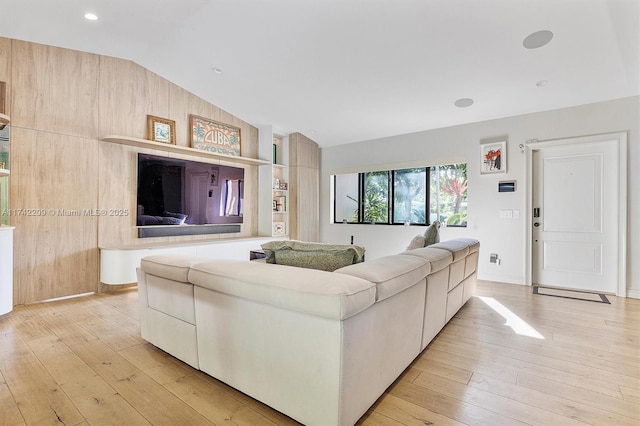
502 405
112 336
212 403
149 398
573 393
460 375
407 414
39 398
98 402
373 418
453 408
464 362
548 368
9 411
603 360
584 412
631 393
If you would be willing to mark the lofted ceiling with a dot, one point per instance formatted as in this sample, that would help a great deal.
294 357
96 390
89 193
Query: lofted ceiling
342 71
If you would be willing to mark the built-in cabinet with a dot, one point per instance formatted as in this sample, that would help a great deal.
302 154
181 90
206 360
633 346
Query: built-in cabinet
290 185
273 183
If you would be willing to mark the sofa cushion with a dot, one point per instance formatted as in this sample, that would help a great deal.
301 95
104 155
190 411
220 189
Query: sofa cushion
326 257
416 242
474 245
391 274
437 258
173 267
310 291
432 234
458 247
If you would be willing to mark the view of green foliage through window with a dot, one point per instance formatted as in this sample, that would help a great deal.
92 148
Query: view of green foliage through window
401 196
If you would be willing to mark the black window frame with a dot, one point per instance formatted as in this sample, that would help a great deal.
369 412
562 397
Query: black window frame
390 199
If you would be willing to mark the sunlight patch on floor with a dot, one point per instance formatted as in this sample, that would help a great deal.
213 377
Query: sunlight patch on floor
517 324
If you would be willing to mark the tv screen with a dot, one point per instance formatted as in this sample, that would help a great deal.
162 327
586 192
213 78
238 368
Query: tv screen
182 192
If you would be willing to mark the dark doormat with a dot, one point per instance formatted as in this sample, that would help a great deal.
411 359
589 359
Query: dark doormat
571 294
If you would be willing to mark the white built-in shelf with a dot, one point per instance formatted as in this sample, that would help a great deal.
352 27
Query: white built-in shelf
4 172
143 143
282 166
4 119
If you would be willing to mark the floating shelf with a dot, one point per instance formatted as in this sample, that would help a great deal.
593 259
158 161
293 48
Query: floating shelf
4 119
143 143
4 172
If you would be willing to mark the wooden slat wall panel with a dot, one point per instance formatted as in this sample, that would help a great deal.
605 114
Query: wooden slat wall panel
128 92
5 70
54 89
54 254
62 101
304 160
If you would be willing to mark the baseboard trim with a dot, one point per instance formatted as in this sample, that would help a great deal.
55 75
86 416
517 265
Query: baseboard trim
633 294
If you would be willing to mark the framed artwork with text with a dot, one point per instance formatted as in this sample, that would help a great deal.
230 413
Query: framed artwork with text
212 136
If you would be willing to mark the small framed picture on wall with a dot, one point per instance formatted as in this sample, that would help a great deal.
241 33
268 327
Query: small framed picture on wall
161 130
493 157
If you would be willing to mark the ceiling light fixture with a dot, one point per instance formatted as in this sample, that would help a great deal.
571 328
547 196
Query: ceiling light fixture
90 16
216 70
537 39
464 102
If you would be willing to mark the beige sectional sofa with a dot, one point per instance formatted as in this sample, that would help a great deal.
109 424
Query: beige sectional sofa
318 346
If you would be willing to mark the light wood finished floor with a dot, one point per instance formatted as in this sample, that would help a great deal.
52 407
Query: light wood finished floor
81 361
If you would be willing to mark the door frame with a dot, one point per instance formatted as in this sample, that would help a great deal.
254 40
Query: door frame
534 144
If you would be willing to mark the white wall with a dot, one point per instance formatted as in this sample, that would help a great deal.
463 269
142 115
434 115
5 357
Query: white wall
506 237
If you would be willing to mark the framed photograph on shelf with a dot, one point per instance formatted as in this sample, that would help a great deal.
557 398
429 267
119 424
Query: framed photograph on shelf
275 206
281 203
283 186
278 228
493 157
161 130
209 135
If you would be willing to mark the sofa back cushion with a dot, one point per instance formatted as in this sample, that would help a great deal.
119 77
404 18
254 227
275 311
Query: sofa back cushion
391 274
313 292
437 258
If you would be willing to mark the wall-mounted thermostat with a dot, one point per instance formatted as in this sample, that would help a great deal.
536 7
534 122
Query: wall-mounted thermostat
507 186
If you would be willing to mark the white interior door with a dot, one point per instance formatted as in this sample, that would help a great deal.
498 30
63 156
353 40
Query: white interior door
575 218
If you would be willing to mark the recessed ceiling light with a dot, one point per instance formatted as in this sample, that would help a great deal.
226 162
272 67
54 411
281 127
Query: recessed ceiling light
91 16
537 39
542 83
216 70
464 102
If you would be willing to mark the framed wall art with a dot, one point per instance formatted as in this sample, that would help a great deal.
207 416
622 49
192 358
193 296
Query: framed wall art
161 130
493 157
279 228
209 135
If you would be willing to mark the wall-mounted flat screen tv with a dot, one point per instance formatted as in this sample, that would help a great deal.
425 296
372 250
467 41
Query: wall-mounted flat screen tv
173 191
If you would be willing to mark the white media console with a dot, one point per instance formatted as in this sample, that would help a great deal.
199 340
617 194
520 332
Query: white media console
118 264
